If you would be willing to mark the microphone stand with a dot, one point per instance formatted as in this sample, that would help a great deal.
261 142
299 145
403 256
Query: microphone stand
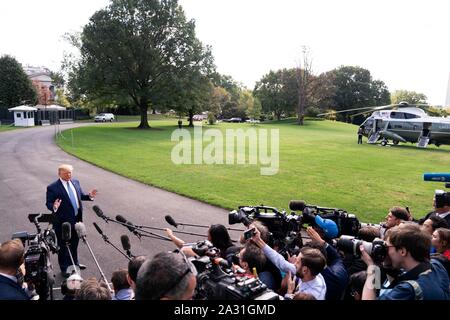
203 226
96 262
105 238
138 233
71 258
177 231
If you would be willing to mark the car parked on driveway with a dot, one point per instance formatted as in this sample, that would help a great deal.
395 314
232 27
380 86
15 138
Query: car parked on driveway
103 117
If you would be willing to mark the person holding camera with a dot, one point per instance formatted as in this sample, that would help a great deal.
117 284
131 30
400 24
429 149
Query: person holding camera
408 250
11 258
441 204
219 237
64 197
395 216
168 276
306 270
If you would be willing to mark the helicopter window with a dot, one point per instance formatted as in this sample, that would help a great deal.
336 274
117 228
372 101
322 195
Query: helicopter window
397 115
411 116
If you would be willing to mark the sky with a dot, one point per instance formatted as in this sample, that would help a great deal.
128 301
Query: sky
403 43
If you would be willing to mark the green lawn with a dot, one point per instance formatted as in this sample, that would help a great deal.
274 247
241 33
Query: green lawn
320 163
8 127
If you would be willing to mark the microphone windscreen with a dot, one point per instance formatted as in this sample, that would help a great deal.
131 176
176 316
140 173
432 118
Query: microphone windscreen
121 219
297 205
98 211
80 228
98 228
171 221
125 242
66 231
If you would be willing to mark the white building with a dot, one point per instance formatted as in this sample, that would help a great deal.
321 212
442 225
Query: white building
23 116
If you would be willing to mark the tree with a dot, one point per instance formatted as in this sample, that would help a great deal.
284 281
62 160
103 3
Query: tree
15 87
139 49
219 99
408 96
246 102
277 92
254 111
355 88
304 73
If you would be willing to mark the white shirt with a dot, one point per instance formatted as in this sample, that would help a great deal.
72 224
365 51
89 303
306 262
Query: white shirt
315 287
443 215
73 190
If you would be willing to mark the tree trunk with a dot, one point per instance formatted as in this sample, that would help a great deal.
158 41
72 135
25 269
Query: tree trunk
191 117
144 117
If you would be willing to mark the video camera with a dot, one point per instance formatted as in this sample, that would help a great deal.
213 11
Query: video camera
38 267
347 223
377 249
215 281
438 177
285 228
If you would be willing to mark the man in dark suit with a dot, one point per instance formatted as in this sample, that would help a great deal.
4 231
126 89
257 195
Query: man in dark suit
64 199
441 204
11 257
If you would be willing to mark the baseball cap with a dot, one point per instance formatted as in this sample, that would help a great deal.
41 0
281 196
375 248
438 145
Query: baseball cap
328 226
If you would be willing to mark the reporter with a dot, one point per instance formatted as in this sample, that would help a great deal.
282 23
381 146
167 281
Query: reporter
11 258
168 276
408 250
218 235
306 269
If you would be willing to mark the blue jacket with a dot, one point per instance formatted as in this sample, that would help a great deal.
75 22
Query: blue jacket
335 275
431 284
10 290
55 191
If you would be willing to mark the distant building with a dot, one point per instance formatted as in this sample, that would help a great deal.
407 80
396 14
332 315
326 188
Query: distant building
447 100
42 82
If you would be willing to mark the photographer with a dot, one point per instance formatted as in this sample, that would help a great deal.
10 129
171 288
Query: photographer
168 276
408 250
218 235
395 216
253 260
441 204
334 273
11 258
307 267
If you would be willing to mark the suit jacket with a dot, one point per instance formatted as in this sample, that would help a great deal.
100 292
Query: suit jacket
10 290
65 213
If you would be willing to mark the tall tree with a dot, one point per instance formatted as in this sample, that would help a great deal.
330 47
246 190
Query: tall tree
304 75
408 96
15 86
139 48
277 92
356 88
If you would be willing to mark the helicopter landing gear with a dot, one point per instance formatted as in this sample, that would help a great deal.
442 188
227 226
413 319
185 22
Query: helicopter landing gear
395 142
384 142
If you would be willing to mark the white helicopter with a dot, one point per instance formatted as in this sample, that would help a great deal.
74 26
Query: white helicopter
406 123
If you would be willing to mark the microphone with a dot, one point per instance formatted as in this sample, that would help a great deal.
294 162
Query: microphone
66 232
126 244
439 177
98 228
297 205
99 213
128 224
171 221
80 228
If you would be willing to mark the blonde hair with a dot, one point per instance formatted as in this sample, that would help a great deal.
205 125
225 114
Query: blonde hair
65 167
